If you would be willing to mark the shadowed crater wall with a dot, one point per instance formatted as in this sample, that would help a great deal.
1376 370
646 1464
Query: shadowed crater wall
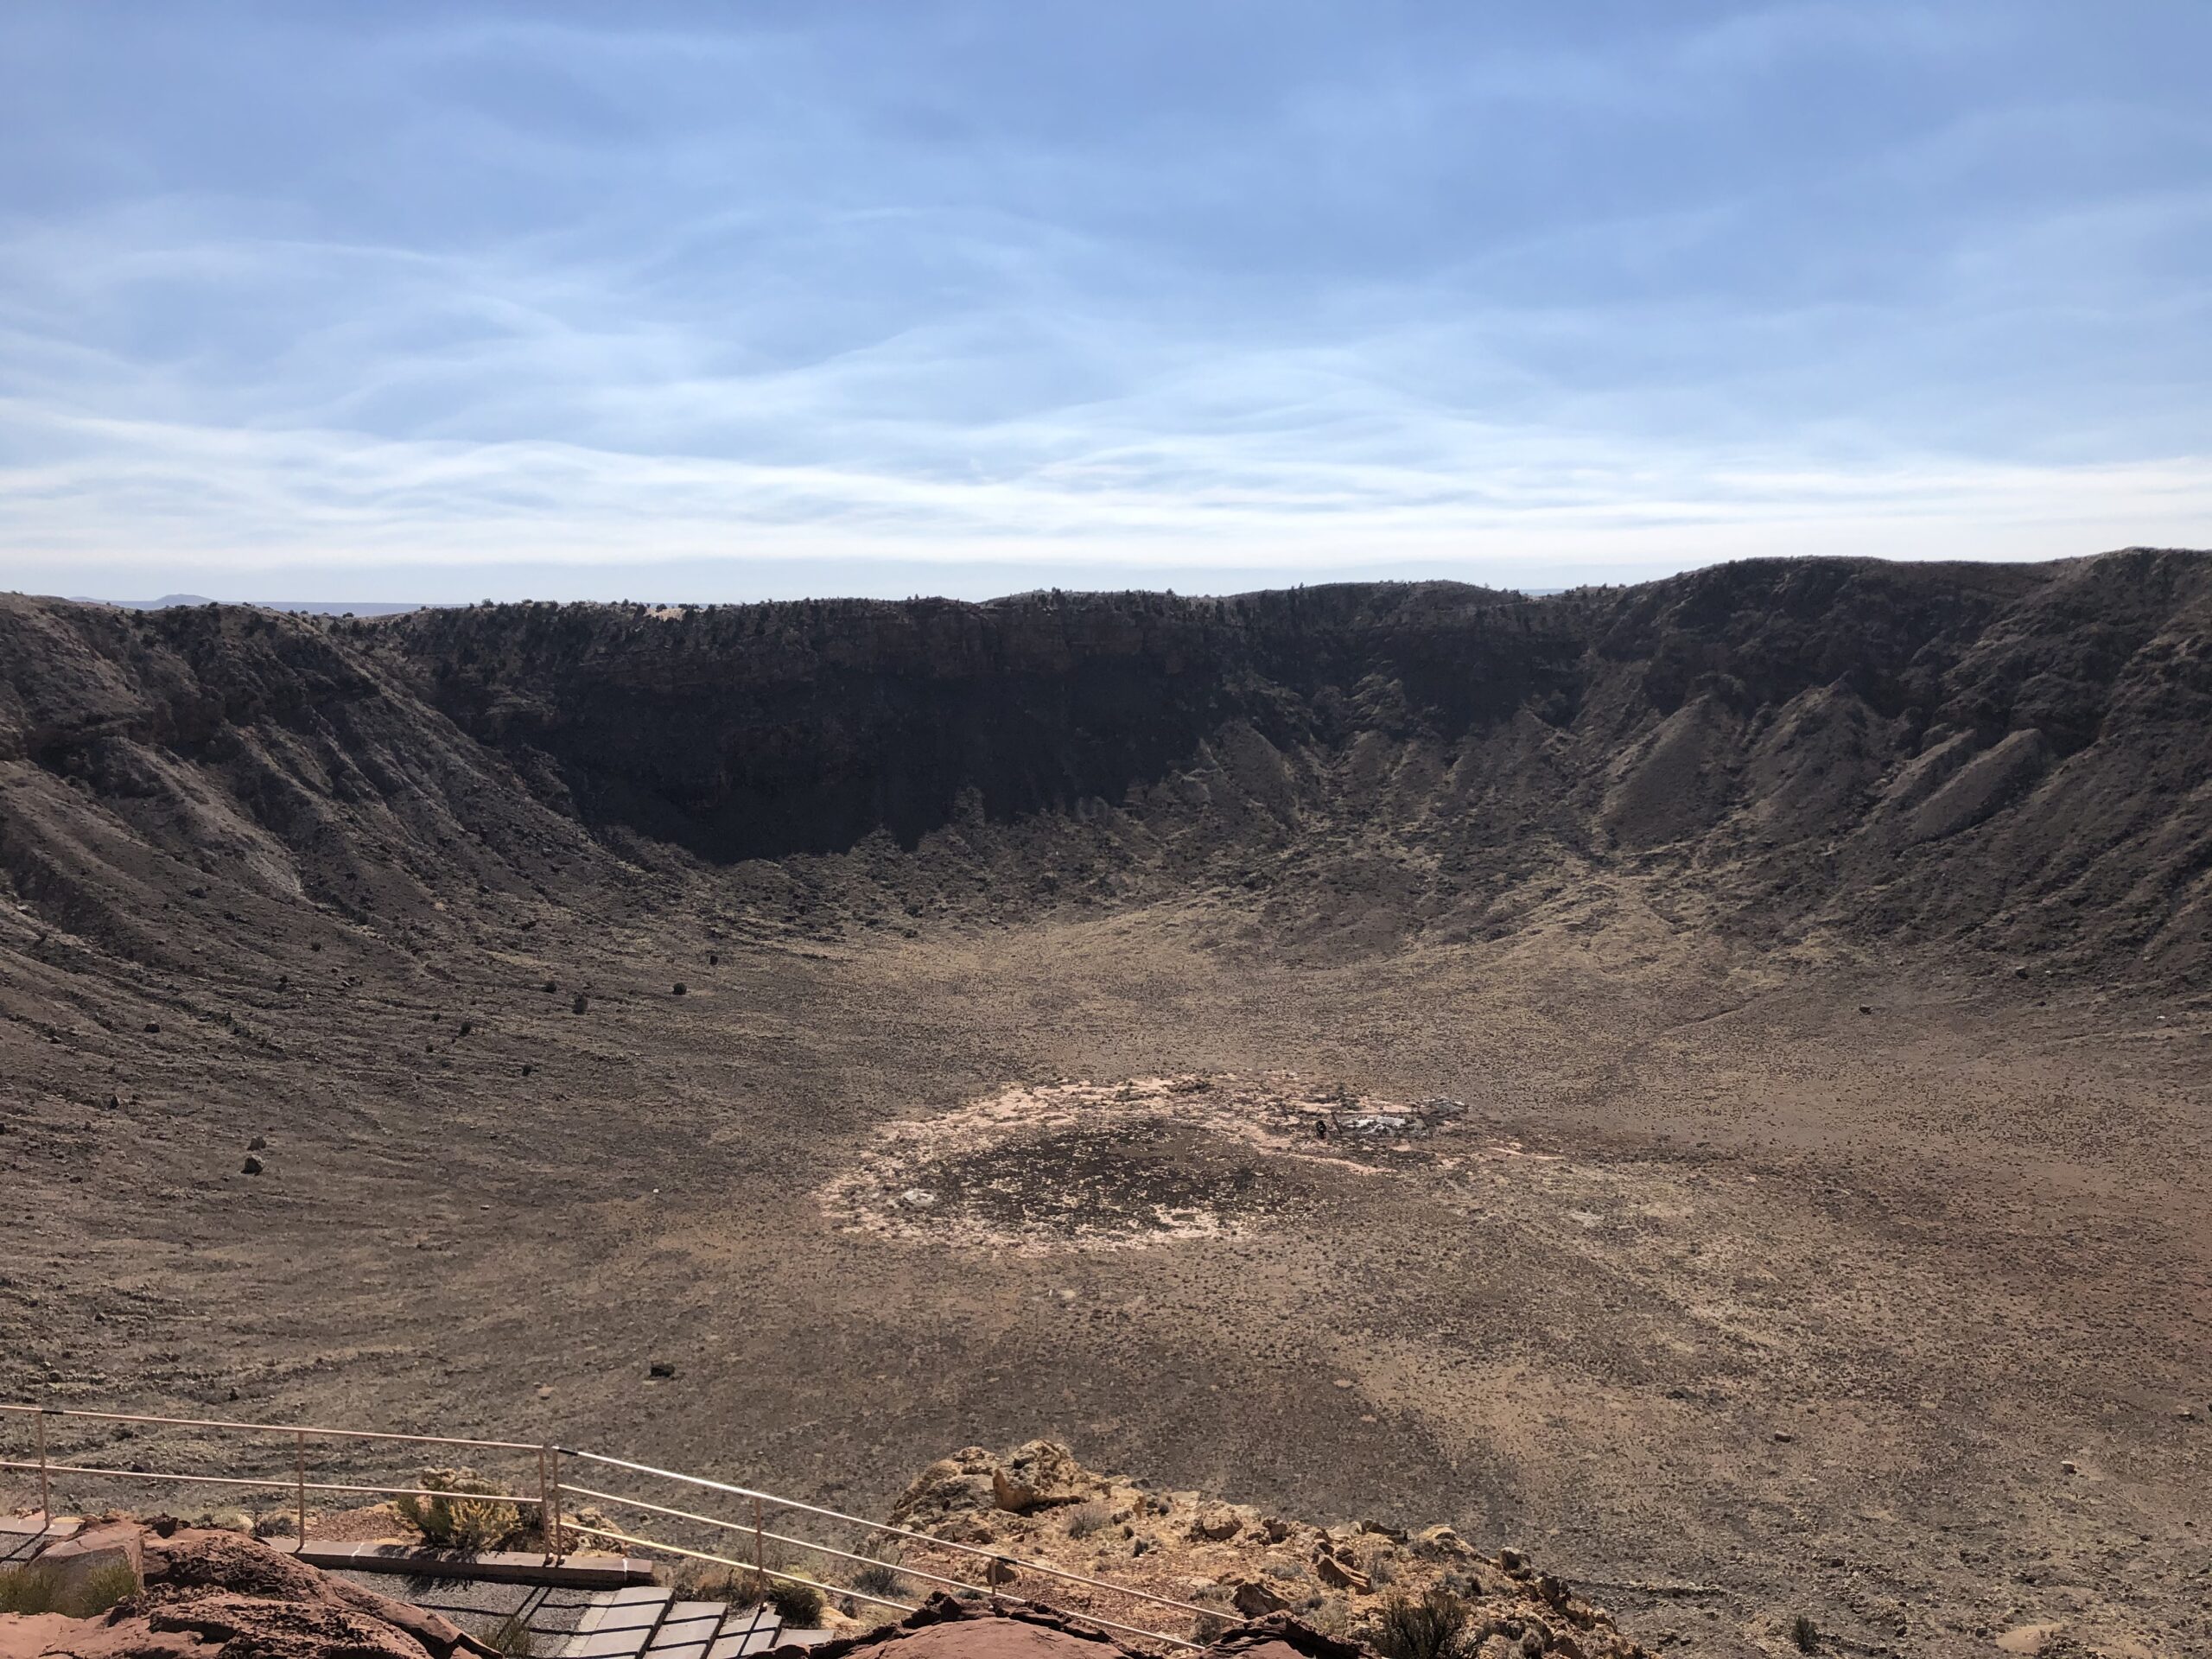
2019 758
761 731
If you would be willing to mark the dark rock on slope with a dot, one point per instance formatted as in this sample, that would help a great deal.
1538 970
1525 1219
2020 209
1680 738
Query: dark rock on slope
2016 759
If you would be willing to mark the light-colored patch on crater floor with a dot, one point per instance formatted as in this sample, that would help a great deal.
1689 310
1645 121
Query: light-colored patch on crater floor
1041 1169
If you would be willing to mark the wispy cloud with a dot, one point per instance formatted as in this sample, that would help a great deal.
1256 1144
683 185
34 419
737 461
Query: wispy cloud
1139 289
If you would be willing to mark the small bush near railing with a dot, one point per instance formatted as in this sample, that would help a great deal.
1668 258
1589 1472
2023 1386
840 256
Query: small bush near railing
796 1603
1433 1627
514 1639
879 1579
707 1582
32 1590
461 1515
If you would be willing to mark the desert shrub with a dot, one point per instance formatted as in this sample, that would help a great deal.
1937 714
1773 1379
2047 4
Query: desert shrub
696 1583
1434 1627
879 1579
1208 1628
31 1590
455 1516
1086 1518
796 1601
1805 1634
1331 1615
704 1581
514 1639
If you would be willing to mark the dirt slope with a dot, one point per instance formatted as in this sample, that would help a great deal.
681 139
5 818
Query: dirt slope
1816 954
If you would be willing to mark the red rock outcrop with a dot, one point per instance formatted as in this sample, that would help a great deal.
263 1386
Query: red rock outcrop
217 1595
945 1629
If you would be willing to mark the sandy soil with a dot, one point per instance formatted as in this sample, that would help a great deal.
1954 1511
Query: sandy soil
1883 1297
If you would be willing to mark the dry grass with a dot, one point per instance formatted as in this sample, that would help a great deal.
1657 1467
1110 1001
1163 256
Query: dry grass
32 1590
1086 1518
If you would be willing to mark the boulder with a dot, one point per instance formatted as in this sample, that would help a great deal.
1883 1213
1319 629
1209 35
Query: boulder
1281 1636
195 1565
217 1595
945 1629
440 1636
1341 1574
1043 1475
1216 1524
81 1567
1254 1599
954 1486
276 1630
1441 1544
192 1558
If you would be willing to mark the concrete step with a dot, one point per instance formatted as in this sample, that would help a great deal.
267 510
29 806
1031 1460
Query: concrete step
580 1570
620 1623
687 1629
23 1536
746 1630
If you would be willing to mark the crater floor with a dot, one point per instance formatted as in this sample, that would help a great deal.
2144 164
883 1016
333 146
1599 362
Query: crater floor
1667 1262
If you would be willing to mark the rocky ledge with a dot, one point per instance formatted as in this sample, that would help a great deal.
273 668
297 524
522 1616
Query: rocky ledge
1303 1583
199 1594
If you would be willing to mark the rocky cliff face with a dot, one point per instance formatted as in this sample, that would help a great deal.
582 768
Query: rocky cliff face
2014 758
764 731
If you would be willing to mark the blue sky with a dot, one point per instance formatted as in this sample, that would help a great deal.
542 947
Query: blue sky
446 300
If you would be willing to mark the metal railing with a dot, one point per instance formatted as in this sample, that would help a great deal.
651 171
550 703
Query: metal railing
555 1528
999 1567
547 1502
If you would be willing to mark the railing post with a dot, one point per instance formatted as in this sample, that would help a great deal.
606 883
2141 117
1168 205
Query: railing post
549 1513
45 1492
300 1476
